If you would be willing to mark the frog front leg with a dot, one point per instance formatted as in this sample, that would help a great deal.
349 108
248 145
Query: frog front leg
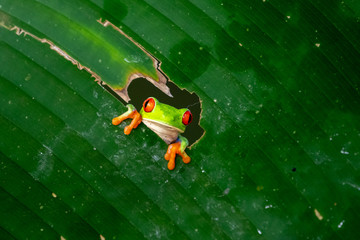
130 113
177 147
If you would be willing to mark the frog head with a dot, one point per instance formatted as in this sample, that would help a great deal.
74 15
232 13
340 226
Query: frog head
165 120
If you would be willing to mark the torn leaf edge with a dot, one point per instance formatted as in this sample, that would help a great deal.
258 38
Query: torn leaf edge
20 31
162 78
160 84
123 93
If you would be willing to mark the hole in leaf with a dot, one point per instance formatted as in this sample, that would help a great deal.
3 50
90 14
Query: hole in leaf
140 89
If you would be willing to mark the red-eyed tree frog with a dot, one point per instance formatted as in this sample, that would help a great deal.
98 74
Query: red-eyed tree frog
166 121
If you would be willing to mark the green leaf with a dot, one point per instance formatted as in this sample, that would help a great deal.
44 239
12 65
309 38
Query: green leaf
279 89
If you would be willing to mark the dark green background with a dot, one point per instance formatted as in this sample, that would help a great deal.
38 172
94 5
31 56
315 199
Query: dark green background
279 85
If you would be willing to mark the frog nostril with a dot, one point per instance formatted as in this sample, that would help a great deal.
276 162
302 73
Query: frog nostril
187 118
149 104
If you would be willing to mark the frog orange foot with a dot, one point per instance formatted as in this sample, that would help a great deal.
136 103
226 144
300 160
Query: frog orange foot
173 149
131 113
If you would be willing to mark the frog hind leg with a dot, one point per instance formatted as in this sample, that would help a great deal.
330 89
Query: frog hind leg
130 113
177 147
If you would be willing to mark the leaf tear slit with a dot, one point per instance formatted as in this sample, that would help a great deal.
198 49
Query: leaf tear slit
22 32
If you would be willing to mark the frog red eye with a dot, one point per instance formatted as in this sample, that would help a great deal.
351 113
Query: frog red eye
187 118
149 105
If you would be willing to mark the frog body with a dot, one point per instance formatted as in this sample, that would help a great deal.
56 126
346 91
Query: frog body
166 121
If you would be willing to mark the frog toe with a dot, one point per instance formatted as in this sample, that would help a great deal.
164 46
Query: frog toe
171 164
169 153
116 121
186 159
127 130
170 156
172 151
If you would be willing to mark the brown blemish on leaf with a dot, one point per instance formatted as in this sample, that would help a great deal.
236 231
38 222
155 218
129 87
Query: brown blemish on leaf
318 215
